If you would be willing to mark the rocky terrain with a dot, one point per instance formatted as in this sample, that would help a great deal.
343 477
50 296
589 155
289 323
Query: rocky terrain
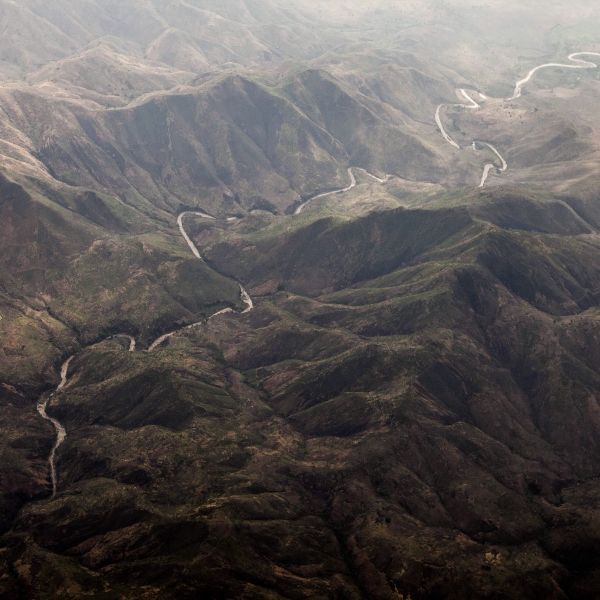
412 407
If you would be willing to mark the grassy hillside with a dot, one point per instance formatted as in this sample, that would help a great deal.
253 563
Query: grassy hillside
66 276
410 410
231 144
76 269
441 397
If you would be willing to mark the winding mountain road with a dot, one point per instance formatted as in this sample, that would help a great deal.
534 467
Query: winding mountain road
61 433
585 65
517 94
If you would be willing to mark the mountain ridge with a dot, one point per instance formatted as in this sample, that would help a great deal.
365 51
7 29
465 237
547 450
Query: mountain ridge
408 404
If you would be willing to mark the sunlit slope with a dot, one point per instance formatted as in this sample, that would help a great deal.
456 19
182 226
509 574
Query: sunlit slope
234 143
392 64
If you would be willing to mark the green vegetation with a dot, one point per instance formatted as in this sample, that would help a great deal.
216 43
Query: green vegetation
410 410
427 403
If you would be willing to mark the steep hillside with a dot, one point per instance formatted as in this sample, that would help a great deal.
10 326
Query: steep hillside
113 72
76 269
67 275
428 428
245 33
296 353
403 81
231 144
375 93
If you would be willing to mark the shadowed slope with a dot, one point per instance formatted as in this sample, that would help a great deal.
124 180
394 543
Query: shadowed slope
439 399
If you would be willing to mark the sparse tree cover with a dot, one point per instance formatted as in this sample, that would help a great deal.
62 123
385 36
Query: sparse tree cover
299 299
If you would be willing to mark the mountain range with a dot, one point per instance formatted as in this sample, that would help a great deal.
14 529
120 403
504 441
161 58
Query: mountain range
406 403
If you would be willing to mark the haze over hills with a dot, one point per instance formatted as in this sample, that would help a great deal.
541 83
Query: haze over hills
306 355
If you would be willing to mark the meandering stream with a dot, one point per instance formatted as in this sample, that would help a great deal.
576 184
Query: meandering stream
61 433
438 116
489 167
346 189
585 65
472 106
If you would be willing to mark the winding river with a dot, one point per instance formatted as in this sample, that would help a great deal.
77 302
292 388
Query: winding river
346 189
490 166
61 433
584 65
438 116
352 185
